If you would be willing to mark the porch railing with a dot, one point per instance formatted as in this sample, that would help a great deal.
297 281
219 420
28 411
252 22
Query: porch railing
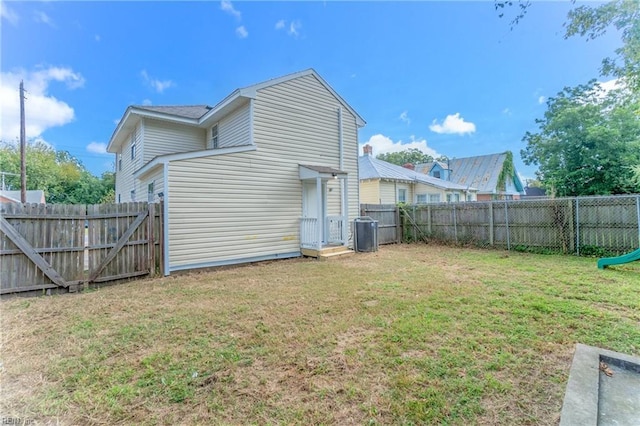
336 227
309 232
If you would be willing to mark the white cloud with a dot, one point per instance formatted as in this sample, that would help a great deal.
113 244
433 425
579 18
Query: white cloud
97 37
228 7
146 102
43 18
42 110
404 117
382 145
542 99
97 148
242 32
453 124
8 14
294 28
158 85
506 111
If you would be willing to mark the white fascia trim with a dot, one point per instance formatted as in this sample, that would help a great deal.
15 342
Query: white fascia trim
251 106
124 118
223 103
164 159
235 261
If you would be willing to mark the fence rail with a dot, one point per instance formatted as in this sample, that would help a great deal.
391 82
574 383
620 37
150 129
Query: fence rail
598 226
582 225
61 248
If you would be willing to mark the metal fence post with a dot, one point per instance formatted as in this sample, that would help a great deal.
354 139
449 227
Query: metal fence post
506 218
638 215
578 226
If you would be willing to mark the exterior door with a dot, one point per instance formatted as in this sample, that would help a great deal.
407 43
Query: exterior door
310 201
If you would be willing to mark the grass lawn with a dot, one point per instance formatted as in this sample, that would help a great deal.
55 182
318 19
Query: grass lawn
412 334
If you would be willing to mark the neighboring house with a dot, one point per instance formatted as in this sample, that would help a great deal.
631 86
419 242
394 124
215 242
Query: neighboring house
33 196
494 175
385 183
267 173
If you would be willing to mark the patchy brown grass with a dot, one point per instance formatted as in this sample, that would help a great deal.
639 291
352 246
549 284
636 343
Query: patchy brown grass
412 334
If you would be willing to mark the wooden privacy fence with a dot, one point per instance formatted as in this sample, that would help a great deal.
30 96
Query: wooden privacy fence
388 217
582 225
62 248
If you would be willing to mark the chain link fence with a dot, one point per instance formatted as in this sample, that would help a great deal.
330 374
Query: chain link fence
588 226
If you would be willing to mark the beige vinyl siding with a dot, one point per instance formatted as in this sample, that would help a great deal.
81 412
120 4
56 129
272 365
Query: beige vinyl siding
158 185
430 190
387 192
124 178
233 129
297 122
248 205
370 192
334 198
161 137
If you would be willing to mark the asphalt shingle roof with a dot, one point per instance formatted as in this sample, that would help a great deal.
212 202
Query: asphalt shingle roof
185 111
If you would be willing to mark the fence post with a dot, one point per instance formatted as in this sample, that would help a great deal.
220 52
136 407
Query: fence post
429 219
638 215
398 226
506 218
577 226
150 235
415 237
491 223
455 224
571 240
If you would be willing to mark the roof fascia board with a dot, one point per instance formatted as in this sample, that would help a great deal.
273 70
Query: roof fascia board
223 103
190 155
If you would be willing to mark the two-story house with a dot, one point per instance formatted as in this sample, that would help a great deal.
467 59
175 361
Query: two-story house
269 172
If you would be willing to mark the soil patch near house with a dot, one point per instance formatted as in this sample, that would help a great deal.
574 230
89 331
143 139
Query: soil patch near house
411 334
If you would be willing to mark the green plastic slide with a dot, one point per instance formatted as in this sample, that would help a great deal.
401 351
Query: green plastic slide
619 260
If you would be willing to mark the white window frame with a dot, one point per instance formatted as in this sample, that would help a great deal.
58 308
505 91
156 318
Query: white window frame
422 198
133 195
456 197
215 136
402 191
469 197
434 198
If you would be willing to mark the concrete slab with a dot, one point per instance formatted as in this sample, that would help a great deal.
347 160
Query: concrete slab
593 398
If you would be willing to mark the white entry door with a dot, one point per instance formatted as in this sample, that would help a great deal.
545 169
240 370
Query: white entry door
310 202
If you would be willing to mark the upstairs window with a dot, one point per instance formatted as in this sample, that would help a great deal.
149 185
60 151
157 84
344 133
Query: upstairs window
120 162
436 174
133 151
133 195
214 137
150 192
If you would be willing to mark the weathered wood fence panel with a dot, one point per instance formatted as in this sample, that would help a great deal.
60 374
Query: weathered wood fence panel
582 225
64 247
387 215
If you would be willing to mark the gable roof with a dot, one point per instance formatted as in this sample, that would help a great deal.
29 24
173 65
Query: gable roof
480 172
201 115
372 168
33 196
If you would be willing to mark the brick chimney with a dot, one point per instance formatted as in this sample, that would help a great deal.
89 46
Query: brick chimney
409 166
367 149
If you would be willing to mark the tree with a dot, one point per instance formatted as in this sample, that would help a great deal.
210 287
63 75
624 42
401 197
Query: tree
411 155
60 175
588 142
592 22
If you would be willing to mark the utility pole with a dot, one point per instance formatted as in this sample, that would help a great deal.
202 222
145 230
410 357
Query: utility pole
23 149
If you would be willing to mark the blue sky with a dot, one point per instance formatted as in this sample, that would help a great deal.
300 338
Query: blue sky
450 78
